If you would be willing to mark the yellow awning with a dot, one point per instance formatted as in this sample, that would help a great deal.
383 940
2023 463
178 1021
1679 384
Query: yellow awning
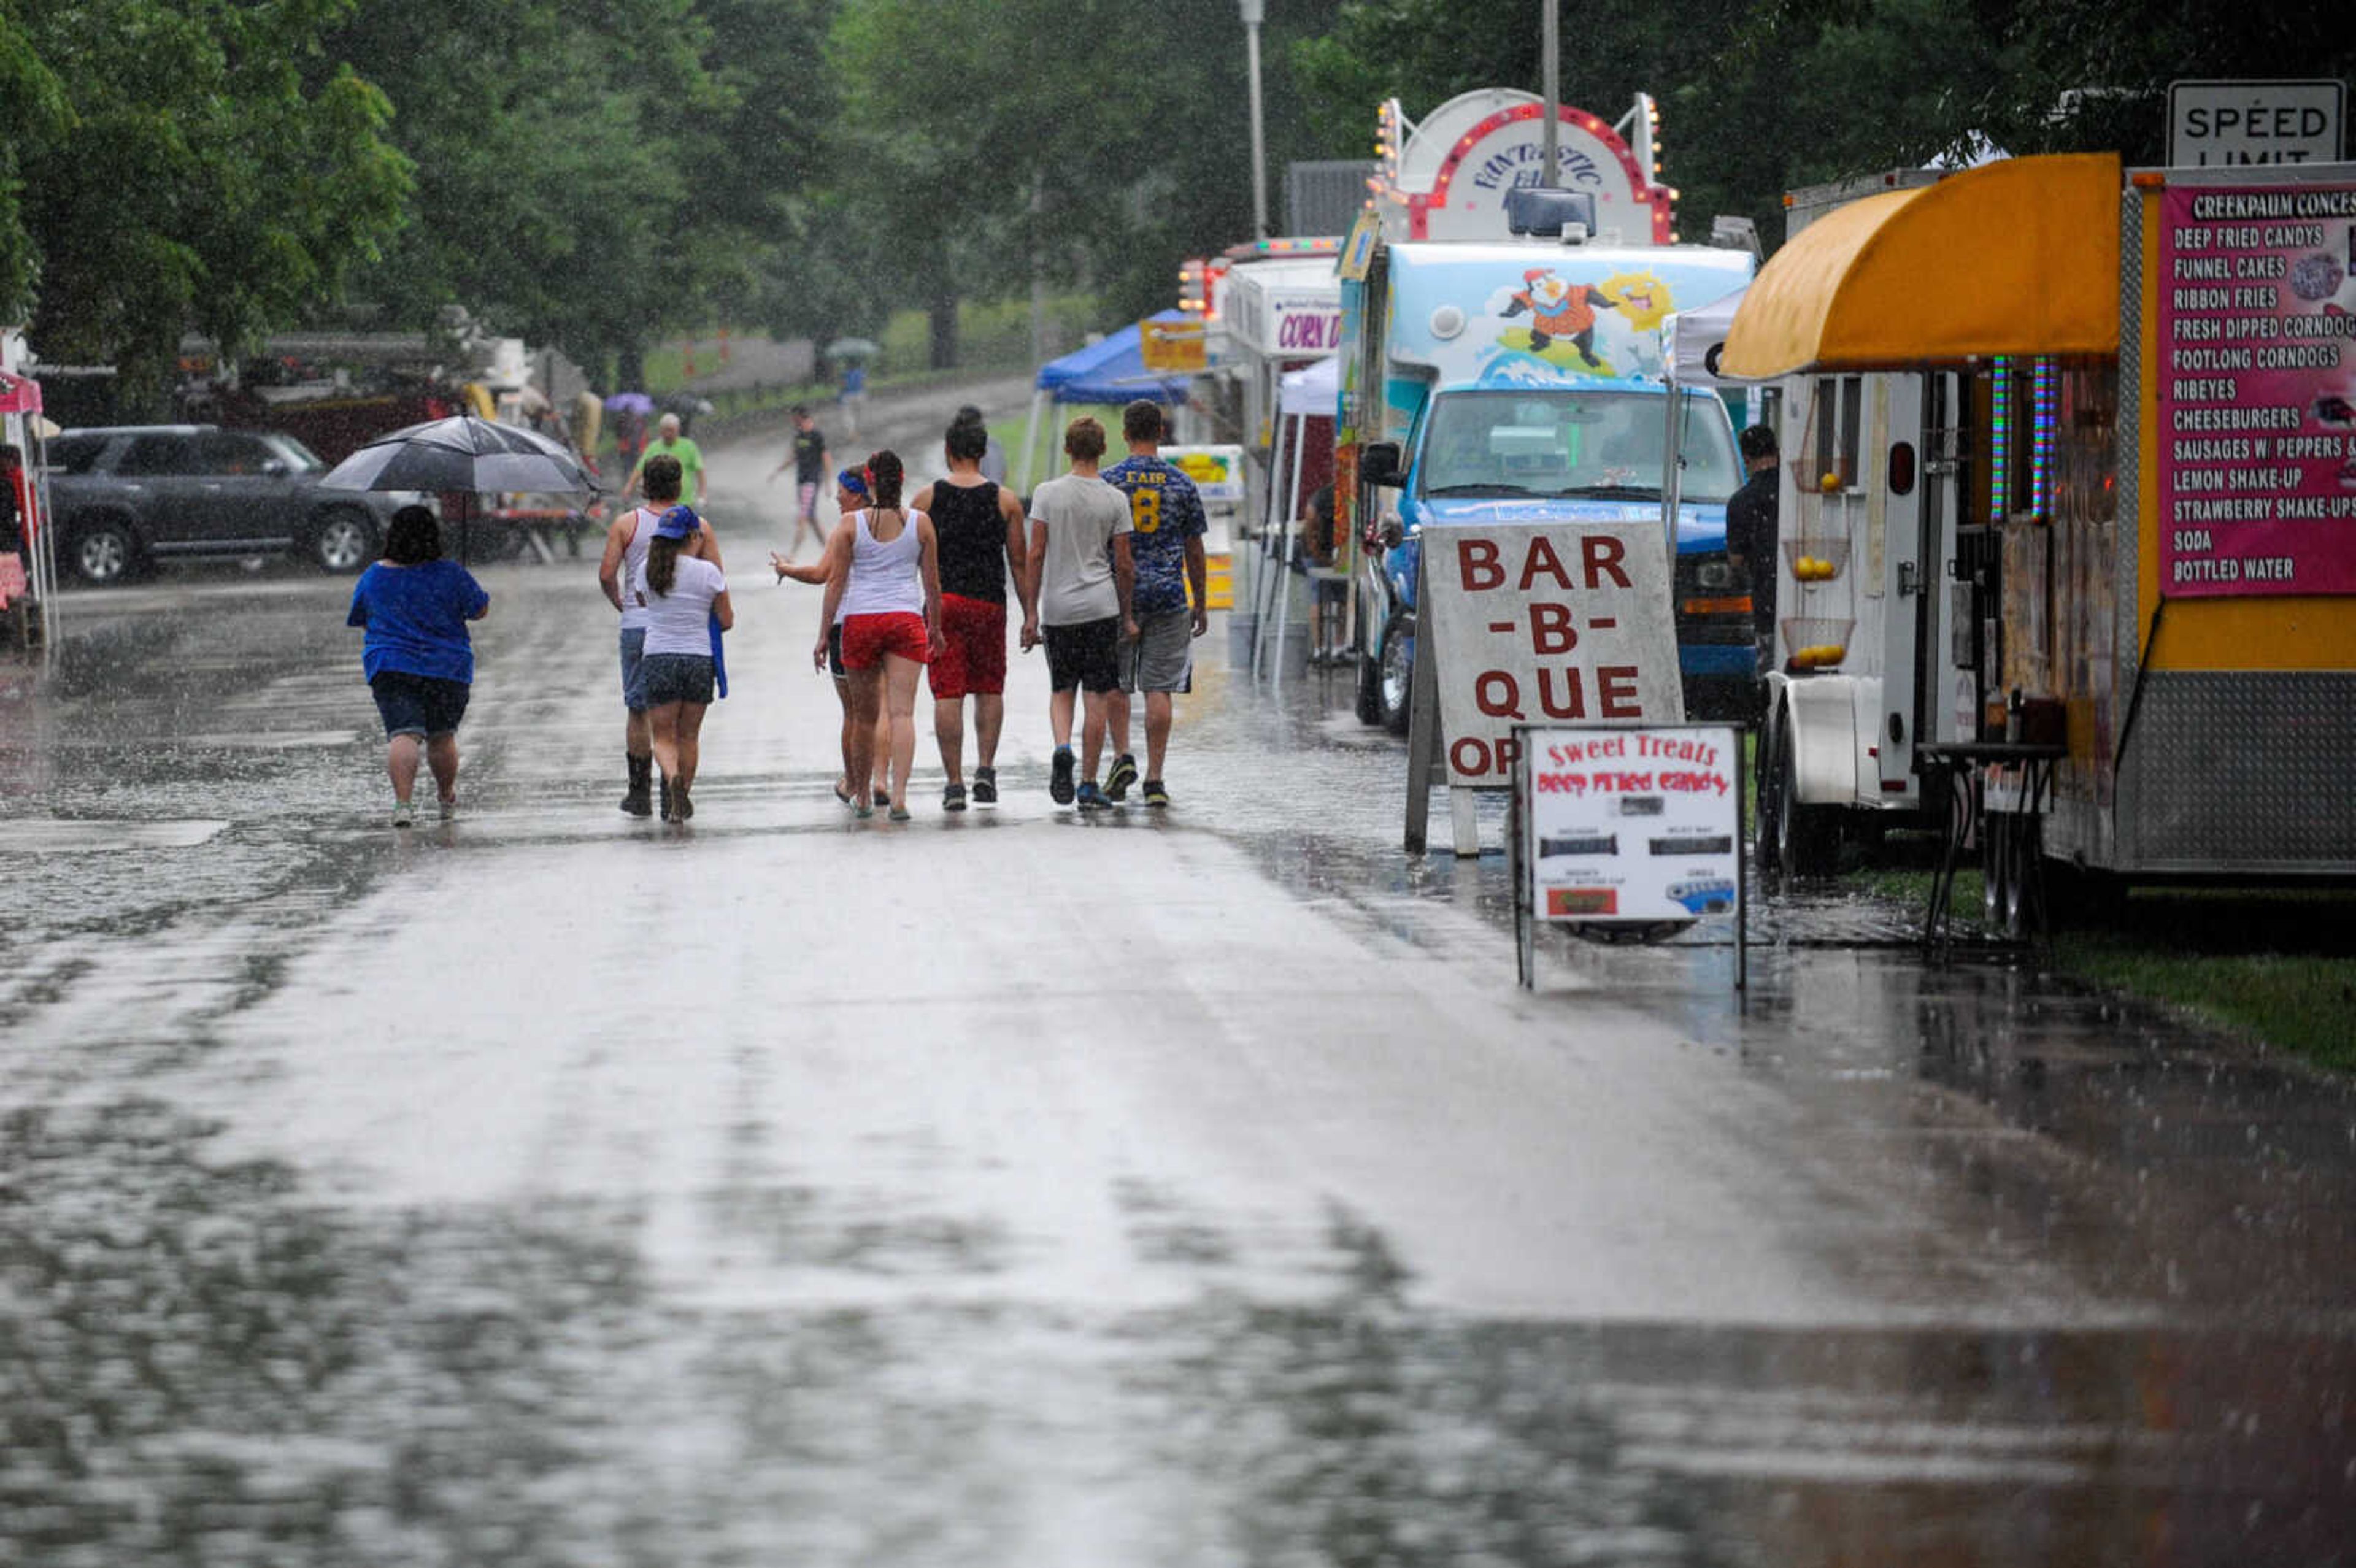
2016 256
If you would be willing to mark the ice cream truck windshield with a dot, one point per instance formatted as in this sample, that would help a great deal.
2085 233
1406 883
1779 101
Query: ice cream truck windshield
1571 440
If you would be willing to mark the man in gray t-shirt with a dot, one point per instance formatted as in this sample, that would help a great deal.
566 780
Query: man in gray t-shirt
1081 579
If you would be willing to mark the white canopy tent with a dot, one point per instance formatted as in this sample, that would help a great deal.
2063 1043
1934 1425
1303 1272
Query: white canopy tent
1691 341
1310 392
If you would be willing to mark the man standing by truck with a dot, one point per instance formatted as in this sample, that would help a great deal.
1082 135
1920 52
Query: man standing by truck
1751 533
1166 513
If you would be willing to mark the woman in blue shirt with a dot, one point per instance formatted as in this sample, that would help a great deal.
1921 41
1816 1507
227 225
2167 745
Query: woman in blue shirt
417 658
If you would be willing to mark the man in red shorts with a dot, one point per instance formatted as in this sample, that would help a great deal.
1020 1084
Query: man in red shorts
979 526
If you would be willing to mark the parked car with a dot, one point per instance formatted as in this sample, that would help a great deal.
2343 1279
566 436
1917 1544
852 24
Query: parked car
126 495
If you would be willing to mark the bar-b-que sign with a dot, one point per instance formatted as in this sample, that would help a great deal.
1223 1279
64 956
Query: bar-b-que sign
1539 622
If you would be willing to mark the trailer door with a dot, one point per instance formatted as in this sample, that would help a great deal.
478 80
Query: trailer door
1908 583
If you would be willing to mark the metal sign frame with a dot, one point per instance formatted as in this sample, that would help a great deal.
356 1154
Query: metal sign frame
1521 856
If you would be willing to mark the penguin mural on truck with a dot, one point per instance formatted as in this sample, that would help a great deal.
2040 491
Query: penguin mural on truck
1560 311
1606 328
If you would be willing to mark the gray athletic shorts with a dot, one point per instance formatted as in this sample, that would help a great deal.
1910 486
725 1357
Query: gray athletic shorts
634 683
1162 656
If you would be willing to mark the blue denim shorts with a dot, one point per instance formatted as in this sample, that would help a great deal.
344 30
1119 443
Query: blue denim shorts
418 704
633 682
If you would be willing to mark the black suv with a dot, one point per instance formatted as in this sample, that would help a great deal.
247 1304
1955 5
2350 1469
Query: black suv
131 493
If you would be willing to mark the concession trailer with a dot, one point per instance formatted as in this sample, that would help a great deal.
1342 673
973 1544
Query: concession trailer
2068 520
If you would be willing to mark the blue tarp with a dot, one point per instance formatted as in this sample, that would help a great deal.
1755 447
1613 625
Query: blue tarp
1111 370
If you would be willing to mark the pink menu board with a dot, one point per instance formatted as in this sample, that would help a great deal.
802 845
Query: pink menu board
2258 389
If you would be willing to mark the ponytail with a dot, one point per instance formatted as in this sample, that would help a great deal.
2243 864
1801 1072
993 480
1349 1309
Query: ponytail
884 477
662 564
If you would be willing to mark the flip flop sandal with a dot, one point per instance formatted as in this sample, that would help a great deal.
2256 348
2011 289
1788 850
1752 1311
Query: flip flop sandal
842 794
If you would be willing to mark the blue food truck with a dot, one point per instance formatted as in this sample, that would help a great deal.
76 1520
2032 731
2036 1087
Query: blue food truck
1521 380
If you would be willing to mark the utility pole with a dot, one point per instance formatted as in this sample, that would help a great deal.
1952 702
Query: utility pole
1550 86
1253 12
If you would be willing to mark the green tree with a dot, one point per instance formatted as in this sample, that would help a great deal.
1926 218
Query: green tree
1106 142
181 168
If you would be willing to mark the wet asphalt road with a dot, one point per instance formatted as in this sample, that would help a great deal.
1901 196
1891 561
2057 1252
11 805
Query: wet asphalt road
555 1189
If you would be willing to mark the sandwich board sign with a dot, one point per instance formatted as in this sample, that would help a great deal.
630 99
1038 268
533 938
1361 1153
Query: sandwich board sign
1531 623
2215 124
1629 827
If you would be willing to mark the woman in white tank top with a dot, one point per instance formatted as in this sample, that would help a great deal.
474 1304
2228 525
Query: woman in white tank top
885 589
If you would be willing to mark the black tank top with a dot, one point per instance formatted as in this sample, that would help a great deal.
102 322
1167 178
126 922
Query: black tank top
973 540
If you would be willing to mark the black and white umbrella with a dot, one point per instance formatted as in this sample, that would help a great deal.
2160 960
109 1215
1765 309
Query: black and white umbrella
465 453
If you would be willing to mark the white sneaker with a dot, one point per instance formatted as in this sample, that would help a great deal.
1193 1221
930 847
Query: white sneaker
447 808
404 813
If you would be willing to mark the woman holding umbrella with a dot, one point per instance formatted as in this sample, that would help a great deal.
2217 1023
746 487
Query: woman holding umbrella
417 656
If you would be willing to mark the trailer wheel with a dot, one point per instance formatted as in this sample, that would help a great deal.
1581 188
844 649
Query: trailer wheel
1806 836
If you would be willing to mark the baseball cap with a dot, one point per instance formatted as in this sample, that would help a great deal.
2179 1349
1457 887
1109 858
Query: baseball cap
678 523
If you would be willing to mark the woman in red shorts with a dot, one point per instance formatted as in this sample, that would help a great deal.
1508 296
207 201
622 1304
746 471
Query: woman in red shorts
886 591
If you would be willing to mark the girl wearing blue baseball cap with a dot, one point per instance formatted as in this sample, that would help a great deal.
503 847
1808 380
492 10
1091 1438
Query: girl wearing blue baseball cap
684 596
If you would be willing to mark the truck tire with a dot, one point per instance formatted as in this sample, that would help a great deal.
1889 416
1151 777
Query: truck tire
1806 836
1395 677
344 540
1370 690
1764 806
104 552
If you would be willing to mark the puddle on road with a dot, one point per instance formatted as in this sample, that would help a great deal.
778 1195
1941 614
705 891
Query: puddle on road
203 1364
57 835
199 1367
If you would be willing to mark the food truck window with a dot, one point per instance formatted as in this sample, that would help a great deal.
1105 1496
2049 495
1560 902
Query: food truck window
1852 402
1827 419
1839 402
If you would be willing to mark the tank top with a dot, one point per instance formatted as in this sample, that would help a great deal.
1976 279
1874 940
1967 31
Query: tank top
884 577
972 540
634 563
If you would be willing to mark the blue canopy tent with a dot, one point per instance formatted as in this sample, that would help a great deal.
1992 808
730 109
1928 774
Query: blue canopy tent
1108 373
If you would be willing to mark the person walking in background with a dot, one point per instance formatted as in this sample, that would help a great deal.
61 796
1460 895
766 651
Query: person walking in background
979 526
683 598
1751 530
811 460
853 394
627 541
1165 543
1080 583
630 437
849 496
416 656
1329 598
695 484
885 590
15 541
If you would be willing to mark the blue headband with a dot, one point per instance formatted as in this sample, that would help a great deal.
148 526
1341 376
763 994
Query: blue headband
852 480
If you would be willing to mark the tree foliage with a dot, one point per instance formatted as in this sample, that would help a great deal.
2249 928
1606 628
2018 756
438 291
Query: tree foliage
181 169
1761 96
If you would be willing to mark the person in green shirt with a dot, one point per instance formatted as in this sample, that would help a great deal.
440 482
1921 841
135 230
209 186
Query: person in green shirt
669 443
